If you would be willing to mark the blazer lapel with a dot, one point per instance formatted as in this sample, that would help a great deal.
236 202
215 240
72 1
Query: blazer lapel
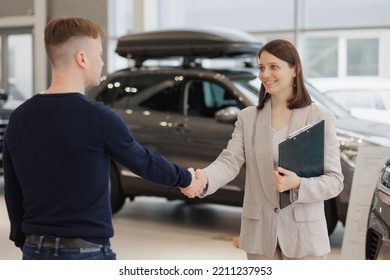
263 151
262 145
299 119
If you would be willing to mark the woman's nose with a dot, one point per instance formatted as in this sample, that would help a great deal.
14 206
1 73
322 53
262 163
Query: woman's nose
265 72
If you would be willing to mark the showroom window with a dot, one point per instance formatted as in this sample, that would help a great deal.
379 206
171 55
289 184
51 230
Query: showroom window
321 57
328 14
339 56
120 17
362 57
248 16
320 29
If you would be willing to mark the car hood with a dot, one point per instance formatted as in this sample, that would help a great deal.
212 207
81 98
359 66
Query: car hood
376 115
379 133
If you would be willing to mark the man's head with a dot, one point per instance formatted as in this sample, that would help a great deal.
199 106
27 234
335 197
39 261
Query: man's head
75 42
60 31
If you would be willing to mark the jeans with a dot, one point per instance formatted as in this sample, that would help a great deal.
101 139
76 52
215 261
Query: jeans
33 252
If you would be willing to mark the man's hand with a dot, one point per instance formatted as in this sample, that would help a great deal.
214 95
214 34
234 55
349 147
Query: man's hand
196 187
199 175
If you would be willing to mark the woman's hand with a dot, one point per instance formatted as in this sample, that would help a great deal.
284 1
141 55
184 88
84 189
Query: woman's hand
284 180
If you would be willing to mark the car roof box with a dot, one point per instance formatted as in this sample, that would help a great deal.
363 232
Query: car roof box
207 43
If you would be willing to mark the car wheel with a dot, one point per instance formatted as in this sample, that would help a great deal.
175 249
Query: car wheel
331 215
117 196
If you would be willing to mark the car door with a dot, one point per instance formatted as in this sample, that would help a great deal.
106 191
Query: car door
144 103
203 137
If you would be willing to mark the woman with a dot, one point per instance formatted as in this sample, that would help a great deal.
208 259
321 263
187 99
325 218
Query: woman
299 230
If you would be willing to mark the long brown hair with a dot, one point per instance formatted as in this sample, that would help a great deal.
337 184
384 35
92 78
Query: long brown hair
287 52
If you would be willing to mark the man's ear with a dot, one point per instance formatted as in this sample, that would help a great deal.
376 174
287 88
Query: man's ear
80 58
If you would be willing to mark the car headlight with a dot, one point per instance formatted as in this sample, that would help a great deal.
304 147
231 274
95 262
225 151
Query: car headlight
383 186
348 155
349 145
384 181
350 142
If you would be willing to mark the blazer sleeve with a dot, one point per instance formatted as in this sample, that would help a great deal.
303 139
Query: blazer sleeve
229 162
330 184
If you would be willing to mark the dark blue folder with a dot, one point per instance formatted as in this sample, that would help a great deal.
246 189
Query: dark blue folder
303 153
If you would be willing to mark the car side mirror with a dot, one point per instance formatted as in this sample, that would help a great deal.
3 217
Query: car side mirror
3 96
227 115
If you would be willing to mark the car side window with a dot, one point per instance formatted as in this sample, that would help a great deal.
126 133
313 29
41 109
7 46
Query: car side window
110 92
205 98
154 93
117 93
165 99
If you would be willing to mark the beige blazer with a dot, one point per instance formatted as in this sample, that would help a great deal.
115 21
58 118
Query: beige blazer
300 228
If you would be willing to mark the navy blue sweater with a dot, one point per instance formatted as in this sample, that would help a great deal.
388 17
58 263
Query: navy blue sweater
56 167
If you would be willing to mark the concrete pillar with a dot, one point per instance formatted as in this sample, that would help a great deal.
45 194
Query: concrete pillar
145 15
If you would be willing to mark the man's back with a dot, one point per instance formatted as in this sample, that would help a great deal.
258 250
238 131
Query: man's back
57 151
57 148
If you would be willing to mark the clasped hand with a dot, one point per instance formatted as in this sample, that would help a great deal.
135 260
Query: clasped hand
198 184
284 179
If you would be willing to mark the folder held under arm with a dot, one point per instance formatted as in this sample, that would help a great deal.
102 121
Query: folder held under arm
303 153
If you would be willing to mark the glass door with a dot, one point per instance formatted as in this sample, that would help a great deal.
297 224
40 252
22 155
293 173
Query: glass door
16 70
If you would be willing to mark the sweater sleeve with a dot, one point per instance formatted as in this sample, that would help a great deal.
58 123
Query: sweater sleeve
124 149
13 199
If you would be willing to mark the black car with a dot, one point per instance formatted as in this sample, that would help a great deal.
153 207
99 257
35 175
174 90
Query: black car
187 112
378 226
5 112
9 100
3 124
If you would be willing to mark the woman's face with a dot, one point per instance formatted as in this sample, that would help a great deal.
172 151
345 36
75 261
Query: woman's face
276 75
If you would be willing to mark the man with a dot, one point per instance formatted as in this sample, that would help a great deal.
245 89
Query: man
57 152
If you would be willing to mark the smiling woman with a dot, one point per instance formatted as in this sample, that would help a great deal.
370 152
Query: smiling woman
269 230
153 102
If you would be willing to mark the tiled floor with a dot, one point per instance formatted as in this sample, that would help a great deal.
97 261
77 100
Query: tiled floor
153 228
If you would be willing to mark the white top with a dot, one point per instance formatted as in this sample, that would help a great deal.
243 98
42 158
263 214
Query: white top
277 137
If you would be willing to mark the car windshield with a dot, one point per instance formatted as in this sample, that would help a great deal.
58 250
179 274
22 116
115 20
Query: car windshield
251 87
248 86
318 97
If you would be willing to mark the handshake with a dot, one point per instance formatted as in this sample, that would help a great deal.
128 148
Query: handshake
197 186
